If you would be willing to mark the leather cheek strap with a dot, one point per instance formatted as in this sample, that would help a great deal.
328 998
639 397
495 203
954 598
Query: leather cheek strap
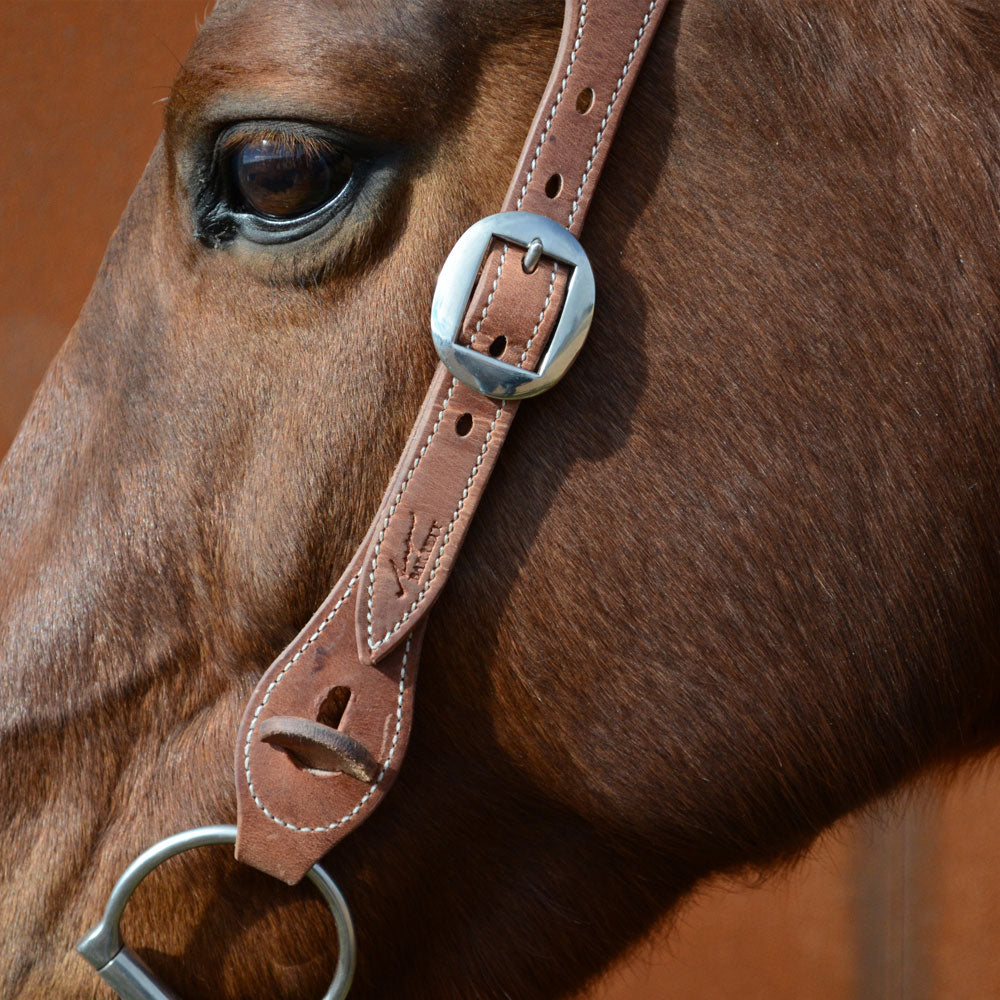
451 454
362 646
291 814
426 512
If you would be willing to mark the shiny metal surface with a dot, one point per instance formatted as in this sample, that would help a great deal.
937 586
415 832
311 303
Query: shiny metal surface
482 372
125 972
532 256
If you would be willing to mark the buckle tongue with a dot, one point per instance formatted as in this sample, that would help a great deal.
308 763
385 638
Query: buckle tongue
537 234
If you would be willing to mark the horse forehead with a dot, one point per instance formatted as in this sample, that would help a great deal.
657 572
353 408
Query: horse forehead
371 65
310 34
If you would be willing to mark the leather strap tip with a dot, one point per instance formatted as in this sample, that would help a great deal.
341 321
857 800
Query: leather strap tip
319 747
371 655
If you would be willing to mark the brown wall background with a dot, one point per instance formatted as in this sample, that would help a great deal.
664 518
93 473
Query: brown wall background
903 903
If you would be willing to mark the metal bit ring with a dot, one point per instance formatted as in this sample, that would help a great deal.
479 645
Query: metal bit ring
132 979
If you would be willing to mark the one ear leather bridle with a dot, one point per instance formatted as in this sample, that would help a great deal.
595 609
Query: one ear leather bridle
303 783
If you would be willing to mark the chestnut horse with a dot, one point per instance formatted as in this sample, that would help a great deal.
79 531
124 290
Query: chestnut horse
735 577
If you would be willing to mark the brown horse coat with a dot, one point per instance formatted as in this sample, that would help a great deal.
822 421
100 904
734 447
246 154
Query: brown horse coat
733 578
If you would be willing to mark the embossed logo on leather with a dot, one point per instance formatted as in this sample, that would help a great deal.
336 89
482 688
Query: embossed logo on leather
409 568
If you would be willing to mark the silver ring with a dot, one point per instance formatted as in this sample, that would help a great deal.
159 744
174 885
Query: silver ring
132 979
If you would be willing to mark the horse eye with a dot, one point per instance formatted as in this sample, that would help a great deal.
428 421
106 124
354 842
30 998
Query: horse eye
283 177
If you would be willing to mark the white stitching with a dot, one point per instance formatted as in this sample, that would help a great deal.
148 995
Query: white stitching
555 105
445 538
541 315
416 461
607 113
444 541
493 291
267 695
373 645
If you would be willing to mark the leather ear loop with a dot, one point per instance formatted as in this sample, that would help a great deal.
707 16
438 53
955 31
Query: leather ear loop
366 636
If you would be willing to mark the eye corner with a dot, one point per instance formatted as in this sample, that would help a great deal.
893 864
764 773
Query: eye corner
214 225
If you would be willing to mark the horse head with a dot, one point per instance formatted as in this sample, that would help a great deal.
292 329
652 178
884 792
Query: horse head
734 577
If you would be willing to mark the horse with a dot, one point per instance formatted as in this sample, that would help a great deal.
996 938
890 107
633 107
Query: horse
734 577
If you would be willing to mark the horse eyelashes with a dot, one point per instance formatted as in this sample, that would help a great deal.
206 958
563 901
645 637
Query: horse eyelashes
281 177
275 183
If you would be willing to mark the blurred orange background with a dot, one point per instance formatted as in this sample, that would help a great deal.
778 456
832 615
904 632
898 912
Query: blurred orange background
903 903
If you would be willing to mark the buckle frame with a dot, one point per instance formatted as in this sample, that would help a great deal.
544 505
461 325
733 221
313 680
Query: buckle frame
486 374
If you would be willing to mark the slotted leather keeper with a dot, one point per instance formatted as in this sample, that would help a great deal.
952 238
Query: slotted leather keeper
367 634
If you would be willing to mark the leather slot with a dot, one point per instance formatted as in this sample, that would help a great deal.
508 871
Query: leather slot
333 707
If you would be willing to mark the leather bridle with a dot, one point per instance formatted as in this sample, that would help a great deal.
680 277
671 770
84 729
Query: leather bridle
512 307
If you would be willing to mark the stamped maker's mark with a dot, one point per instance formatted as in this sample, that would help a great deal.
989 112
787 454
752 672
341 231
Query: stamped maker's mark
416 555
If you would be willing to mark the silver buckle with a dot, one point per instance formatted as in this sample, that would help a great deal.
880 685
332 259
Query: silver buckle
488 375
132 979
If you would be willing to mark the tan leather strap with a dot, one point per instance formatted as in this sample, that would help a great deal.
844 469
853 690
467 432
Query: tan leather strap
366 637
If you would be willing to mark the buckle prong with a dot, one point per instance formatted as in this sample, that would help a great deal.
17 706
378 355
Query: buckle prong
532 256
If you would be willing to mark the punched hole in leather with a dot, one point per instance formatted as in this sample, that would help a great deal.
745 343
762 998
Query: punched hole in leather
320 746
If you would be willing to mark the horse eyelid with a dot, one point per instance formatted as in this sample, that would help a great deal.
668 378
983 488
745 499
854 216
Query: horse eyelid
220 216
